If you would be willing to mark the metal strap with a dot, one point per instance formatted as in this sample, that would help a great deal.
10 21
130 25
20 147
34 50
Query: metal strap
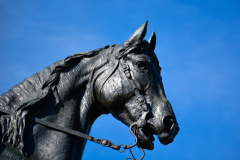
140 98
103 142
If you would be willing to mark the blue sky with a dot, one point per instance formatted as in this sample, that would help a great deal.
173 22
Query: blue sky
197 47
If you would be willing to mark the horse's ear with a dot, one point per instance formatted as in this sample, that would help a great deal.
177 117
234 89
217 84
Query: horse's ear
138 35
152 40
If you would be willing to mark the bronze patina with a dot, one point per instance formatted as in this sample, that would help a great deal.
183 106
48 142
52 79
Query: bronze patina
50 114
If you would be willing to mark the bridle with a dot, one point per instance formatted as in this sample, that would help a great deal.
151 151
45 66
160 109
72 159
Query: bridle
140 123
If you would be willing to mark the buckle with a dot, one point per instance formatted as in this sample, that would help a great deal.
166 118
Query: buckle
141 100
125 67
105 142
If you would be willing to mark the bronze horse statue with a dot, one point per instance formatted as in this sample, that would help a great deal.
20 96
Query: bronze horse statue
71 94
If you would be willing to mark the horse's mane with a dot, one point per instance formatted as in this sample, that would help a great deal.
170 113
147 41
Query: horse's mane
27 97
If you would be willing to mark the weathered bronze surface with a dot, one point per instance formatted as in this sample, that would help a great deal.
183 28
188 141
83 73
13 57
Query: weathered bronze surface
43 116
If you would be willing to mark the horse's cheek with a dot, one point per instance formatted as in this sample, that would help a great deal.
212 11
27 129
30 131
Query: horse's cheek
141 79
111 93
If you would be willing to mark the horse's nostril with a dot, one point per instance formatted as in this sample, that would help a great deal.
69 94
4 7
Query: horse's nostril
169 122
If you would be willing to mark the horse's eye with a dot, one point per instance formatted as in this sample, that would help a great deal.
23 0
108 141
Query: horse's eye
141 65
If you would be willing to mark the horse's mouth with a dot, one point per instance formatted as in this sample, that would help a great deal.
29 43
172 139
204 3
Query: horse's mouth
146 139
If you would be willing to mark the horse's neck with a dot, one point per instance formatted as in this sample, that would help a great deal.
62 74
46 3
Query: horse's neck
74 111
71 105
77 113
76 104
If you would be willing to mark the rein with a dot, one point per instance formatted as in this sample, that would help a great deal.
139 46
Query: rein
141 122
103 142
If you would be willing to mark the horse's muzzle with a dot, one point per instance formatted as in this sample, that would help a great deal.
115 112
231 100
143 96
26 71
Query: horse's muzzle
166 129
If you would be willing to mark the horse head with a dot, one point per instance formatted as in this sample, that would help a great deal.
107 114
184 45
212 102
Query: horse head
123 80
137 76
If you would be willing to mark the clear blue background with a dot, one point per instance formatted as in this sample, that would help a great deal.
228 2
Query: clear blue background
197 46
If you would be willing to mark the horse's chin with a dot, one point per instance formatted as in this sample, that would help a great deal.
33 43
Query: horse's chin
165 138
